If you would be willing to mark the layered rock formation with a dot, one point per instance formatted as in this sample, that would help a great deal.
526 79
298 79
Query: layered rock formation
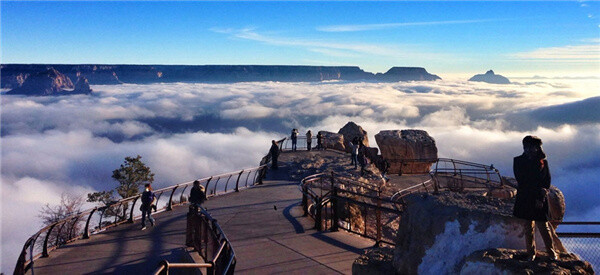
51 82
48 82
406 74
350 131
490 77
451 226
407 151
510 261
116 74
333 141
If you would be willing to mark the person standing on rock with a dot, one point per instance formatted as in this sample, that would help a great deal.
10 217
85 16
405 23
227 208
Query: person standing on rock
531 204
308 140
362 157
294 139
148 199
274 152
354 152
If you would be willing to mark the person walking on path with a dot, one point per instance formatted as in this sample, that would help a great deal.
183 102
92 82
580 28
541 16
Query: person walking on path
294 139
148 199
308 140
274 152
531 204
197 197
319 141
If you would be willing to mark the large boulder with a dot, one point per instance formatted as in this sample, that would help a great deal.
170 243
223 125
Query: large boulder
451 226
402 148
350 131
48 82
510 261
333 141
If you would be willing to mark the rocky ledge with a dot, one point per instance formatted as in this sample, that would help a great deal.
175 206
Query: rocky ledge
511 261
490 77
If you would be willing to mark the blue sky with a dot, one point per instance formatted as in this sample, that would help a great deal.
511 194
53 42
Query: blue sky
514 38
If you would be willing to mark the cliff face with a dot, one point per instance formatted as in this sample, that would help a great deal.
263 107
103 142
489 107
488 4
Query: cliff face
490 77
13 74
47 82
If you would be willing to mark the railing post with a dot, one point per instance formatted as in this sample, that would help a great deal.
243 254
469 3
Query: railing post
334 205
58 234
378 218
130 220
237 182
319 208
206 186
86 231
170 204
73 227
45 249
304 200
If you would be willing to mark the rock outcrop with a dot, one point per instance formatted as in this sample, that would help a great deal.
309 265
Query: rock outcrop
13 81
406 74
140 74
374 261
510 261
48 82
82 86
402 148
350 131
333 141
490 77
451 226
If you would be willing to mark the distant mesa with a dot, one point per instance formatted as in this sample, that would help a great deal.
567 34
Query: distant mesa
14 75
490 77
51 82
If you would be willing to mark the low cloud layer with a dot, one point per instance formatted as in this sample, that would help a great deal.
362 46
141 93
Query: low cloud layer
52 145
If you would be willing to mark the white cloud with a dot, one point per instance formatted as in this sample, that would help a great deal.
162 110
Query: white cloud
589 53
370 27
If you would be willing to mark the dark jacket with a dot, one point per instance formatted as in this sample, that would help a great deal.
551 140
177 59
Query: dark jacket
274 151
197 195
147 199
534 182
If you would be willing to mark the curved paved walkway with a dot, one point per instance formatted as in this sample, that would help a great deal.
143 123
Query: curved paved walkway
264 224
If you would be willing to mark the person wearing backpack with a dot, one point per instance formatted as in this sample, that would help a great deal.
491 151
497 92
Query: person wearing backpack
148 200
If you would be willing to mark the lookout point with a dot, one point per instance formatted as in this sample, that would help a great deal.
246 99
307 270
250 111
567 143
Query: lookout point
404 211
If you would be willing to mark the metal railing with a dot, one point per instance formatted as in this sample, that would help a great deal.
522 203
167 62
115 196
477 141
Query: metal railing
583 239
301 143
211 243
82 225
334 202
458 175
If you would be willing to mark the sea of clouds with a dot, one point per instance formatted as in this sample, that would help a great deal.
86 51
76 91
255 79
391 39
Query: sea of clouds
183 131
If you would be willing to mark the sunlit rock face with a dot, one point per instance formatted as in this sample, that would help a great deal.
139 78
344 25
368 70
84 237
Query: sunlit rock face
490 77
398 146
437 231
350 131
48 82
510 261
333 140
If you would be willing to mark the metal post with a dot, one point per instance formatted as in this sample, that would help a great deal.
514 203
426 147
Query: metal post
170 204
58 234
182 193
206 186
378 217
304 200
86 231
45 251
72 227
237 182
334 205
319 208
130 220
227 183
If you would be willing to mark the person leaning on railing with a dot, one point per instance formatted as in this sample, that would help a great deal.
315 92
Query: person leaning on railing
197 197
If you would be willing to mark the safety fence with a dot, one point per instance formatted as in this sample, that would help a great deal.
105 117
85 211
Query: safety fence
583 239
301 143
95 220
210 241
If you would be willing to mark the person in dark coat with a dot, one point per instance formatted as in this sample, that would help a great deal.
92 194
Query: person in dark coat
274 151
531 204
148 199
308 140
197 197
294 137
320 141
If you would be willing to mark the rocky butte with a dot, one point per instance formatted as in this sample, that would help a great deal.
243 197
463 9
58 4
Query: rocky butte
51 82
490 77
13 75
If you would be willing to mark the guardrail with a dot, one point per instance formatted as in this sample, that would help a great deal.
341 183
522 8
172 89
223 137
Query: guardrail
301 143
458 175
80 225
581 240
211 243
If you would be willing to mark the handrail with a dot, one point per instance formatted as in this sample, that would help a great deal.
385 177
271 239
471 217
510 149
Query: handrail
119 209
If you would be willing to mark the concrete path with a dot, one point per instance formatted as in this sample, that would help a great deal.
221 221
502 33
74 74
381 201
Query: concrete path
264 224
